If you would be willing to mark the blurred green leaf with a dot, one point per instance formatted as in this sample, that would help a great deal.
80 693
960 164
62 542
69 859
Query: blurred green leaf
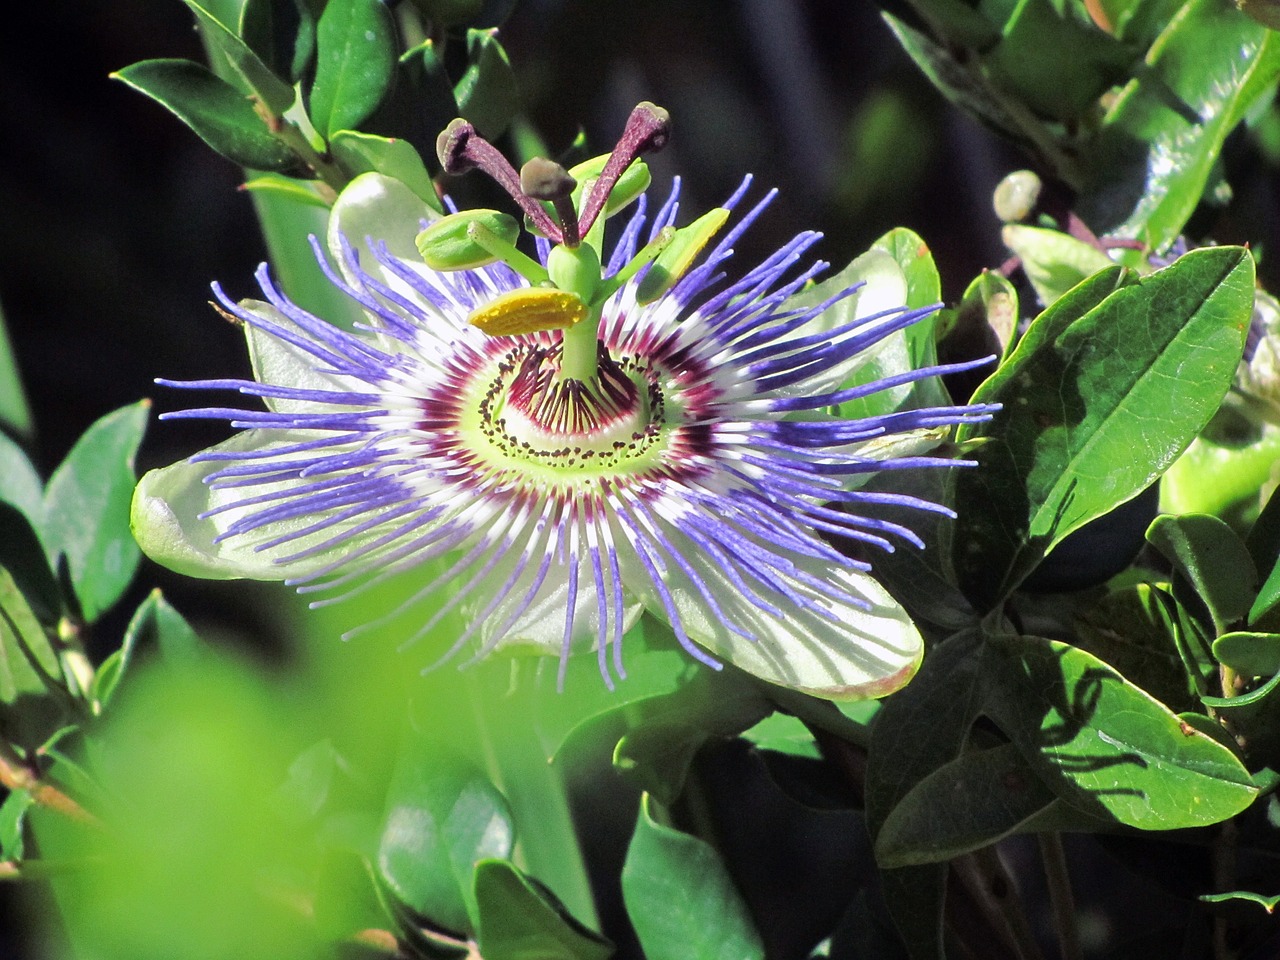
14 410
218 113
1220 480
1158 143
1267 903
518 919
1098 398
920 729
681 900
1053 63
785 734
363 152
355 57
441 819
486 93
156 627
282 33
1213 560
987 795
87 509
30 672
22 486
186 842
13 815
1105 746
274 93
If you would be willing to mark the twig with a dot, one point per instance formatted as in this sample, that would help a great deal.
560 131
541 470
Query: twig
1061 899
16 774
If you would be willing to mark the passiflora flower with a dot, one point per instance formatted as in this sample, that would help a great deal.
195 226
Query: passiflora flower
569 440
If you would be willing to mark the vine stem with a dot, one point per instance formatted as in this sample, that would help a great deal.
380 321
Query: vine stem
990 884
1061 899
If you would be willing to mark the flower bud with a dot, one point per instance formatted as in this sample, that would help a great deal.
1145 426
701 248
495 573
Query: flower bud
451 242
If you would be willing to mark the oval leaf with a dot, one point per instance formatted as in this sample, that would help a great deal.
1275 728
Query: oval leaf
1105 746
356 55
681 899
520 920
218 113
1104 391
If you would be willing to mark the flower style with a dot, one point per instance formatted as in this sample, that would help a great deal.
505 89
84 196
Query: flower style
690 466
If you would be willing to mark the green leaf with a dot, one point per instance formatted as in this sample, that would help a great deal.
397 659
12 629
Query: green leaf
1213 560
987 795
14 410
441 819
1105 389
22 486
282 33
87 509
520 920
13 814
990 300
1053 63
218 113
1159 142
920 729
681 899
487 94
154 626
286 188
1054 262
363 152
1268 904
785 734
355 42
30 672
1105 746
277 95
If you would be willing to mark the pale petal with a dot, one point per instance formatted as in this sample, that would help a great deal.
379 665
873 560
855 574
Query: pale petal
377 207
857 653
282 364
165 518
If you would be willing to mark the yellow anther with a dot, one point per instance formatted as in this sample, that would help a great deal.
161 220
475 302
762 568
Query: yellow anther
528 311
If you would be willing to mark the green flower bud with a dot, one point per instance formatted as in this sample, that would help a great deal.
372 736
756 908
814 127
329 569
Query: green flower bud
457 242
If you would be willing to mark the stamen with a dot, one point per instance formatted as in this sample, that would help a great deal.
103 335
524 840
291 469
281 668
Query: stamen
647 131
543 179
461 149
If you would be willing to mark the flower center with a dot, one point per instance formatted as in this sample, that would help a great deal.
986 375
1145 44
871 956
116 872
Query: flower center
568 430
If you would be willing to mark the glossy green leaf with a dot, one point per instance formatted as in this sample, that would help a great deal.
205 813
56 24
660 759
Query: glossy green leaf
1161 137
487 94
519 920
285 188
13 815
282 33
1104 390
920 729
1054 262
15 413
987 795
1105 746
1214 561
657 753
1136 631
652 672
785 734
681 900
355 57
275 94
218 113
441 819
87 509
363 152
